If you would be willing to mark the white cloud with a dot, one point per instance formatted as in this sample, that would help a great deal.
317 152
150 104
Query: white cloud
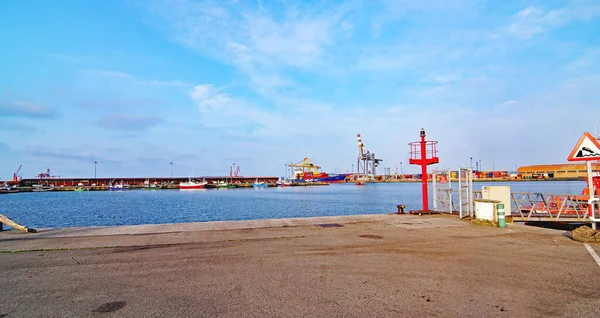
531 21
206 96
259 42
218 110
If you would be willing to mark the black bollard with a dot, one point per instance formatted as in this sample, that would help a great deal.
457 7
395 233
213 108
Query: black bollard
401 208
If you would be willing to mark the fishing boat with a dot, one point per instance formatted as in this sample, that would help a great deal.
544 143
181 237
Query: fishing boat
284 183
41 188
118 187
260 184
6 190
193 184
223 184
80 189
151 186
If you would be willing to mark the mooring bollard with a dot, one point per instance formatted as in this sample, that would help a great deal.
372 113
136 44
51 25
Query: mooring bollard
501 216
401 208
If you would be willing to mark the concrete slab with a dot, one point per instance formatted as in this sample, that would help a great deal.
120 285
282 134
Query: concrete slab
385 266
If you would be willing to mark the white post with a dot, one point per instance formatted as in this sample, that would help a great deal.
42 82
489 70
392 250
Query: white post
471 192
591 191
449 177
460 208
434 189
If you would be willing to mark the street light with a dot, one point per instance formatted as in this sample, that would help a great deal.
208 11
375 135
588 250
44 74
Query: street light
171 163
95 163
471 158
401 172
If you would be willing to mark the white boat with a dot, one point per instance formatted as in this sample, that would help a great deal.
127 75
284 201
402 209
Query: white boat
41 188
151 186
6 189
192 184
118 187
284 183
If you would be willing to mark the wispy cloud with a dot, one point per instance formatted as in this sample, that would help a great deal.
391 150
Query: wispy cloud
532 20
259 42
219 110
128 122
26 110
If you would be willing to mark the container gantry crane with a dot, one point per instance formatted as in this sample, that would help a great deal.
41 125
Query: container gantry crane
304 166
366 163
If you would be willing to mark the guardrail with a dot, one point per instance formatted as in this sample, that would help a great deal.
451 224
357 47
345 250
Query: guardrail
533 206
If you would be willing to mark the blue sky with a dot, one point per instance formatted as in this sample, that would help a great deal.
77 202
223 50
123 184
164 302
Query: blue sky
135 85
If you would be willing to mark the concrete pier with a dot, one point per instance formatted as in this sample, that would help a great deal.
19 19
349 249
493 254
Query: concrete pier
353 266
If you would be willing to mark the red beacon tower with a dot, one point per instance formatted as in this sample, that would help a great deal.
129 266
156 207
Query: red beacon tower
423 153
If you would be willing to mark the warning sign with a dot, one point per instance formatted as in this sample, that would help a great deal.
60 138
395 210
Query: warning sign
588 148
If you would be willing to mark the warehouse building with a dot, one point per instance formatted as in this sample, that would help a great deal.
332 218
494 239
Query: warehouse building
557 171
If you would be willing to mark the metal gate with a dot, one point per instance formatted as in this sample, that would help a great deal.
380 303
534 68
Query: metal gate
458 200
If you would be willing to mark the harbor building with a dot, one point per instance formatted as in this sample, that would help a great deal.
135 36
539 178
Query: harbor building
557 171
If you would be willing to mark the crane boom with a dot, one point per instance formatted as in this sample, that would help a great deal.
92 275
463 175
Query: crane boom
16 174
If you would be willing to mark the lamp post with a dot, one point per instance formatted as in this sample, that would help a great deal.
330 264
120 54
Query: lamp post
95 163
401 172
171 163
471 158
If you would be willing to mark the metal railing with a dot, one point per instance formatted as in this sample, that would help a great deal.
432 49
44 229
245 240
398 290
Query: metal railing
533 206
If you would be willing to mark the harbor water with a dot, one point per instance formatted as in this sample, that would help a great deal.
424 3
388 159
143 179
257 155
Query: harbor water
58 209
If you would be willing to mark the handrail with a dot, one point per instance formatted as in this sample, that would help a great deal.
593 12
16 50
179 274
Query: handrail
530 206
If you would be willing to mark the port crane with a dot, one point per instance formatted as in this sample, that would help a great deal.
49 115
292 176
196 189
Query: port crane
233 172
366 163
16 176
304 166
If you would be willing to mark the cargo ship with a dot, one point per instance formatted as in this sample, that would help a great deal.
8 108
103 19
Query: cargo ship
306 171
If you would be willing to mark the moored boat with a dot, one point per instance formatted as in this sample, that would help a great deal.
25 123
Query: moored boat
118 187
223 184
7 190
151 186
284 183
192 184
259 184
41 188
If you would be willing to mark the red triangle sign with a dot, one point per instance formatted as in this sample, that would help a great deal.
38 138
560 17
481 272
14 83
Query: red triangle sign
587 148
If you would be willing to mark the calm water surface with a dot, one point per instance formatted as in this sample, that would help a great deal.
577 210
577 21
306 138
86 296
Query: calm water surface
100 208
